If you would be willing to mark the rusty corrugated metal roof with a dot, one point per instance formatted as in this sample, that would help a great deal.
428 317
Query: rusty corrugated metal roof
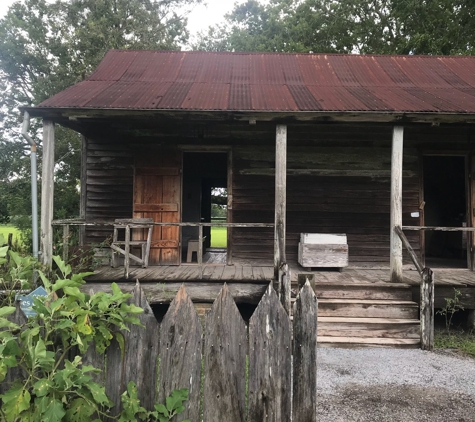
274 82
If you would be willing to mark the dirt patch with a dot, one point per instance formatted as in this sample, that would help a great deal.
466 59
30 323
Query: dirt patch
381 403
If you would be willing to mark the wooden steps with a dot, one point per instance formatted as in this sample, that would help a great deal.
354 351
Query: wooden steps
367 315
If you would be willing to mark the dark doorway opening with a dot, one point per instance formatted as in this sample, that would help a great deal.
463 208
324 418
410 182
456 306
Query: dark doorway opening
204 175
445 206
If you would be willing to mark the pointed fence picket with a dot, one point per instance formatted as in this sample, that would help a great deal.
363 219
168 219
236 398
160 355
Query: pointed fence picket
180 357
231 376
270 361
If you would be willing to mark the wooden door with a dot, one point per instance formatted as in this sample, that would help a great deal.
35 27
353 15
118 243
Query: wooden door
157 195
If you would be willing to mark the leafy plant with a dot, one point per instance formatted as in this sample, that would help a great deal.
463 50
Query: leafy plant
54 386
46 351
452 305
16 274
162 413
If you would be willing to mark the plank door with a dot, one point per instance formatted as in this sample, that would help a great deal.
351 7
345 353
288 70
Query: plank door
157 195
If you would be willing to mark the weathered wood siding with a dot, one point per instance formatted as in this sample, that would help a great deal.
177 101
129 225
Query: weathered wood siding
109 184
338 182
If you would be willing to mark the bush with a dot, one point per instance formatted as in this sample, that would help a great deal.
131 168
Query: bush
55 385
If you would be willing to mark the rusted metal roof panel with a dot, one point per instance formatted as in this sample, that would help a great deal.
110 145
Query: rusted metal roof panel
164 67
114 65
272 98
336 99
317 70
207 97
464 67
77 95
391 67
275 83
175 95
240 97
403 100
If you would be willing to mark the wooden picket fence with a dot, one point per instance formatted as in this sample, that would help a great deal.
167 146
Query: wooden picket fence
264 372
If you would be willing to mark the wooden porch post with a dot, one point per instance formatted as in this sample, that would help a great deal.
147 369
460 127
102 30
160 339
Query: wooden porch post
281 271
396 204
280 195
47 192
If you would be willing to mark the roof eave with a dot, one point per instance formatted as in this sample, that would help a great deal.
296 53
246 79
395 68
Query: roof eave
401 117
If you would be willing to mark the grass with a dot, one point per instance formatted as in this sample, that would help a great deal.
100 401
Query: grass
219 237
5 230
455 339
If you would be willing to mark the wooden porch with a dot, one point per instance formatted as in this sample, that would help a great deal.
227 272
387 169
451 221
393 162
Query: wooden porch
170 278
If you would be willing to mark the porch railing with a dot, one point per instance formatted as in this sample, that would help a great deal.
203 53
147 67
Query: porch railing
426 294
83 223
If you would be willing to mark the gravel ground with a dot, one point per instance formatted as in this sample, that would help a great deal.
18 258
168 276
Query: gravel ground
395 385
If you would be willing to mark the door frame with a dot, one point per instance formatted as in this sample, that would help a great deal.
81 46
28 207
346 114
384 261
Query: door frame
469 197
224 149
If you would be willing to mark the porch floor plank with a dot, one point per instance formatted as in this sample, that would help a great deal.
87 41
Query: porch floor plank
263 272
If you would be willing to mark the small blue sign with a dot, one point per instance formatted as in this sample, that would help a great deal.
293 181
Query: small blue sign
26 302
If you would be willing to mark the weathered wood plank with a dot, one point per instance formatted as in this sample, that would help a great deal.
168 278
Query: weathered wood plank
140 356
280 197
270 361
409 248
142 347
396 204
225 350
304 402
47 193
312 255
427 309
180 356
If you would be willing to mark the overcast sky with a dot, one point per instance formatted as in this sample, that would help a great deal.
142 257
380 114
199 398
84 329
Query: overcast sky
199 19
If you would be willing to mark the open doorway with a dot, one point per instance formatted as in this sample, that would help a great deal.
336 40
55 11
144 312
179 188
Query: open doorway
445 206
205 200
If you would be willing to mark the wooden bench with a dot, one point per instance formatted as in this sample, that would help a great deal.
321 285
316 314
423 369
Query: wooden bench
129 224
323 250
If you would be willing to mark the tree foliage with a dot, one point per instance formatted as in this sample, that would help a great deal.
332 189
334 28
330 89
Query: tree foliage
47 46
347 26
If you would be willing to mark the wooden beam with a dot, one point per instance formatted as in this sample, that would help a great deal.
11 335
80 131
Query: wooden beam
229 251
47 193
396 204
280 197
427 309
83 196
407 245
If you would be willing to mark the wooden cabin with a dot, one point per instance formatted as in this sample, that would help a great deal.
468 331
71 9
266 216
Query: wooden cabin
302 143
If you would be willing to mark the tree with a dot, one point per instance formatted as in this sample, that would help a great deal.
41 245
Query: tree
347 26
48 46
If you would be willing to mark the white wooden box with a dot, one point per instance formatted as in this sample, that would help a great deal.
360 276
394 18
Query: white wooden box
323 250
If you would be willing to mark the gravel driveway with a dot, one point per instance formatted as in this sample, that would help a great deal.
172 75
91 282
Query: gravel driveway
395 385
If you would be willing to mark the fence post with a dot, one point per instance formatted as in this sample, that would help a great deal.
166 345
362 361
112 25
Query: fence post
427 309
225 353
270 364
180 353
304 404
65 242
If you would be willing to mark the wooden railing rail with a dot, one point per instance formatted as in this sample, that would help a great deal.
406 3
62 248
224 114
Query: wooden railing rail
81 222
407 245
427 294
436 228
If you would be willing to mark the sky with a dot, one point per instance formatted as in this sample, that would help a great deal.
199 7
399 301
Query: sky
199 19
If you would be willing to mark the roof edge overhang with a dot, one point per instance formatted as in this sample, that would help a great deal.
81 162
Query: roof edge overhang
59 114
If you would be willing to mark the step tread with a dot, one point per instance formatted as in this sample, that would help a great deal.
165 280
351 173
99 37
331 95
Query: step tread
368 340
356 320
370 301
371 285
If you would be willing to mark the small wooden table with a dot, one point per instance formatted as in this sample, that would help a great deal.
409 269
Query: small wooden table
129 224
